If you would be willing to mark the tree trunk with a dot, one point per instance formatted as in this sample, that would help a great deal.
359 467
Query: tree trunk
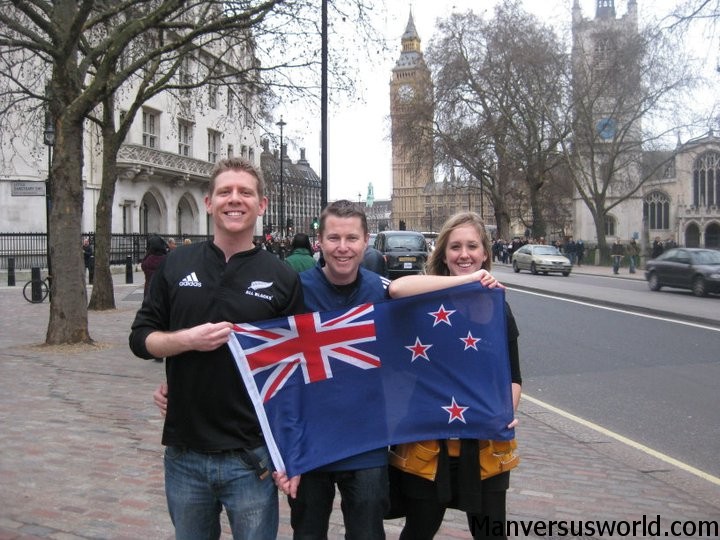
68 322
103 294
539 229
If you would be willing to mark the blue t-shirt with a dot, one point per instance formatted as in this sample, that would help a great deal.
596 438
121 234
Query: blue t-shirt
321 295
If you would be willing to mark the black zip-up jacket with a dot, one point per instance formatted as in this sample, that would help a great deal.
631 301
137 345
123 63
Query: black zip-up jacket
208 406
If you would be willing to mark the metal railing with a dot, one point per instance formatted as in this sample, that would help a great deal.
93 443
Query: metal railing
29 250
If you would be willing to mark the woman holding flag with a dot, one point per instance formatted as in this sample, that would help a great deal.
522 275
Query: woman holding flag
462 249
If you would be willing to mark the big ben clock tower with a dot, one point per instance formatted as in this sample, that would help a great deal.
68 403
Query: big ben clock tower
411 114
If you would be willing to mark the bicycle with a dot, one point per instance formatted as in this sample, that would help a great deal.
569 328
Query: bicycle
36 290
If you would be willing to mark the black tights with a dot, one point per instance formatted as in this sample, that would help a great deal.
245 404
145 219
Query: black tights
424 518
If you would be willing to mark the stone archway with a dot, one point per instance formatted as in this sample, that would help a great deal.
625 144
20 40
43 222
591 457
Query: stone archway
187 215
712 236
692 235
151 214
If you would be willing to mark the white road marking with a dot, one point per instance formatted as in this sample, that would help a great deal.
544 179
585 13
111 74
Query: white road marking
634 444
618 310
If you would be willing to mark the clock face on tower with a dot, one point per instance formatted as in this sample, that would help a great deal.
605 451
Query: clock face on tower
406 92
606 128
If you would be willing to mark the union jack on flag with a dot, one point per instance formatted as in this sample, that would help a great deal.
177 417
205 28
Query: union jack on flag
309 343
330 385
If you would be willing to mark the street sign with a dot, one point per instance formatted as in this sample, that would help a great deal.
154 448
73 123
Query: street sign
22 188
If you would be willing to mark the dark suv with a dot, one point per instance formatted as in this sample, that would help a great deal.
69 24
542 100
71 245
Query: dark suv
405 252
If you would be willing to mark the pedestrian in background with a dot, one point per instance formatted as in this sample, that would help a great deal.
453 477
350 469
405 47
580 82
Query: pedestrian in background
88 258
375 261
171 244
301 255
571 249
155 253
617 252
580 252
632 251
657 248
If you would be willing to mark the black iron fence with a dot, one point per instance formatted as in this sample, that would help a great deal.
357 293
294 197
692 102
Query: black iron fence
29 250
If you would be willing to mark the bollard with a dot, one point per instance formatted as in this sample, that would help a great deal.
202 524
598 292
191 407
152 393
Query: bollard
11 271
91 270
128 270
36 284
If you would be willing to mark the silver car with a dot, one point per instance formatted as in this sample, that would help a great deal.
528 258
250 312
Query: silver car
541 258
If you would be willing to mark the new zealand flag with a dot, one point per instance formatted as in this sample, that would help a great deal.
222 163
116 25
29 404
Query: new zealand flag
331 385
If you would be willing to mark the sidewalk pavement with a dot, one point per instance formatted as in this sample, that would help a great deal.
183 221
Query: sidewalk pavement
80 453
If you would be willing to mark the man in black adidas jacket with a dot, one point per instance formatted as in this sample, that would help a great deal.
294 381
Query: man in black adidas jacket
215 451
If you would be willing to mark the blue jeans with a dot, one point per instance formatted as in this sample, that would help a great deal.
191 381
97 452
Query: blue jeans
632 263
199 485
616 263
364 502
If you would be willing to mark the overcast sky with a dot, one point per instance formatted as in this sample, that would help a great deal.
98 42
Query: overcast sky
358 134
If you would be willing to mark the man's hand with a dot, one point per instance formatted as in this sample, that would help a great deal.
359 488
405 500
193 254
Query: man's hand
160 397
288 486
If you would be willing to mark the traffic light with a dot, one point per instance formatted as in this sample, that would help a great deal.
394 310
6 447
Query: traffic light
290 223
315 224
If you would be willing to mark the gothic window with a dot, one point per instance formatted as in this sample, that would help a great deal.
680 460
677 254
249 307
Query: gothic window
185 132
706 180
213 145
186 78
656 210
151 122
610 223
212 96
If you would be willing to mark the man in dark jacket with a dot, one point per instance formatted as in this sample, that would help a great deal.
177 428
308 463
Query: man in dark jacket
215 453
374 261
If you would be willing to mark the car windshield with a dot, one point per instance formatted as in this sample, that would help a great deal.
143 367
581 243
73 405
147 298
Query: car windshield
706 257
406 242
546 250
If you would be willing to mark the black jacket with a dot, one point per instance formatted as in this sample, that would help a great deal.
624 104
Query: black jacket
208 405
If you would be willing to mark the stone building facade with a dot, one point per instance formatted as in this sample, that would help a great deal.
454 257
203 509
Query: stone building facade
163 165
680 201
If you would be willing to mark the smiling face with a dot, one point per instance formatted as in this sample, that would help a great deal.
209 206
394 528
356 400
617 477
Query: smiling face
235 206
342 241
464 253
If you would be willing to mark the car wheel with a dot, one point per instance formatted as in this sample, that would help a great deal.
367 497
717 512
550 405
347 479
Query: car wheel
653 282
698 286
516 267
566 274
533 268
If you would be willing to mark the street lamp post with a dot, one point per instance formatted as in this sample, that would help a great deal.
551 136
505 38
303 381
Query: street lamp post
282 124
49 141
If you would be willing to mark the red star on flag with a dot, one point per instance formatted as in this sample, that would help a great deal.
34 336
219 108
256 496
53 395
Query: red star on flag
442 315
470 342
419 350
456 411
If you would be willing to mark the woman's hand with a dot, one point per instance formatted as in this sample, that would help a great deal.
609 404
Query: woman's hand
486 279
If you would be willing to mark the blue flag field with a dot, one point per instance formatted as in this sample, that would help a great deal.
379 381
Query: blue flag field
331 385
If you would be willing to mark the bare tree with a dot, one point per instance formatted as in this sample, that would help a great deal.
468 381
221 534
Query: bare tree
627 93
78 46
83 52
498 104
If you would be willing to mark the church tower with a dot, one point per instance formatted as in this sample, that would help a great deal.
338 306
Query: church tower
411 114
608 116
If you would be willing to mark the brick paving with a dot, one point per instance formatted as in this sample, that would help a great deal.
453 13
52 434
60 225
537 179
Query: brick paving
80 453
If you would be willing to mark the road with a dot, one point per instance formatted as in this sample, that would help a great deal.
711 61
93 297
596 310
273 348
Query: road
651 379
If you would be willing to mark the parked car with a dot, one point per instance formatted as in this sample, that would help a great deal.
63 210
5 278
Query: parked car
405 252
696 269
540 258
